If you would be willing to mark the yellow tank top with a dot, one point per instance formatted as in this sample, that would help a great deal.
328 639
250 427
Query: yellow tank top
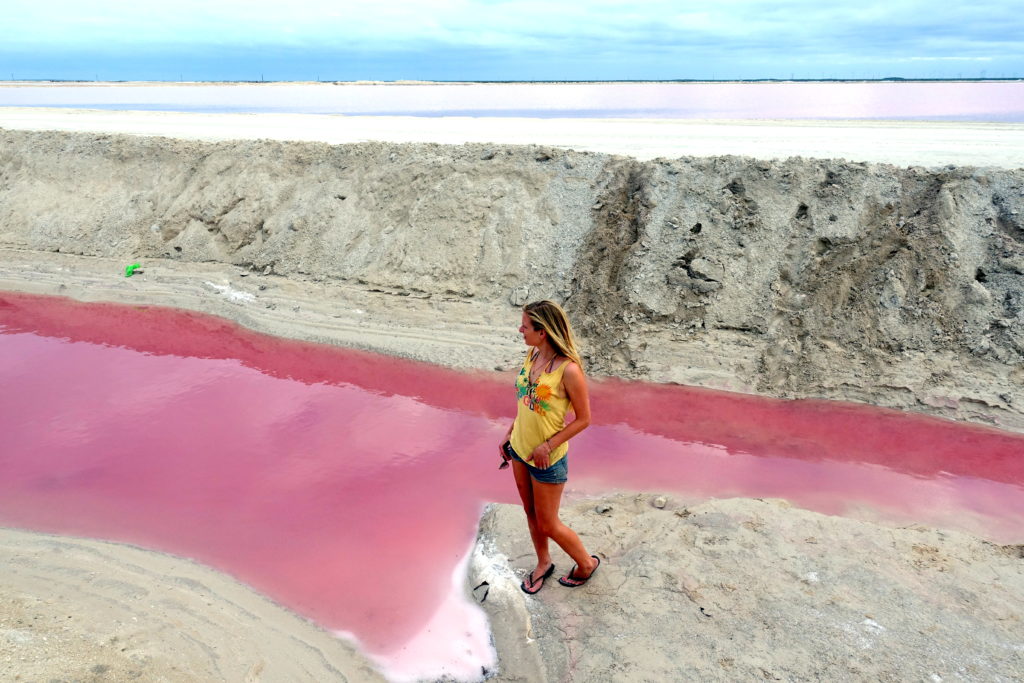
541 410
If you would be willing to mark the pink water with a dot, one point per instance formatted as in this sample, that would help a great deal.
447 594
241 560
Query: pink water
347 486
954 101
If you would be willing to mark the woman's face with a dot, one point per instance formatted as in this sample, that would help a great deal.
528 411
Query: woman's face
531 337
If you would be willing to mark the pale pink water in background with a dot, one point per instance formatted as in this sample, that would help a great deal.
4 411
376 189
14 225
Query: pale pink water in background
941 100
348 486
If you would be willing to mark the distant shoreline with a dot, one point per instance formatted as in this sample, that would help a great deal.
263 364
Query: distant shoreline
681 81
901 143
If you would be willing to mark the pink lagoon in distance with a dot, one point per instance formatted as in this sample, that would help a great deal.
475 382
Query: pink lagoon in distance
995 101
347 486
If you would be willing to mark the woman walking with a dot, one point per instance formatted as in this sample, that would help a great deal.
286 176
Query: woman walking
550 381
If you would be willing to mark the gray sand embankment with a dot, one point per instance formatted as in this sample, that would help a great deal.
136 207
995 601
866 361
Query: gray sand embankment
900 287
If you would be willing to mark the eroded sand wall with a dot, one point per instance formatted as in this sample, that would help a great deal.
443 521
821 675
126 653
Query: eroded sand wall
826 278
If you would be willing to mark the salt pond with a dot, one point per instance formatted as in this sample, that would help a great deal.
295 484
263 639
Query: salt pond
920 101
347 486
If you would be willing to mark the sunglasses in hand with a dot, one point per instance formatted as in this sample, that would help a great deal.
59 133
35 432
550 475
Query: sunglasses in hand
506 455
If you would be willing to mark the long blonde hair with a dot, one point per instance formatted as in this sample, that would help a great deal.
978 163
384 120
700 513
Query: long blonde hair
549 316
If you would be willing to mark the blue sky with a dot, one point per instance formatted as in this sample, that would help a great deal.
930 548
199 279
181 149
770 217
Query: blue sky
508 40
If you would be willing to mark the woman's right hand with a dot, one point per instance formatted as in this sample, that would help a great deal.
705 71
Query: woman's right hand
501 447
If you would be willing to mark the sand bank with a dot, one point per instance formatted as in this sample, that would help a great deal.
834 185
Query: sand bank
748 590
902 143
75 609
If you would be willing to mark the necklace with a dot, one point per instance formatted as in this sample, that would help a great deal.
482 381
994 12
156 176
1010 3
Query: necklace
541 366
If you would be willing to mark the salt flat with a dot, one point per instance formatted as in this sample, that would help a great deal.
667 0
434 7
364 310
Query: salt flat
902 143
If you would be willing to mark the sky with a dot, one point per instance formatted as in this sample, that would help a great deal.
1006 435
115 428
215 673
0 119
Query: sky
508 39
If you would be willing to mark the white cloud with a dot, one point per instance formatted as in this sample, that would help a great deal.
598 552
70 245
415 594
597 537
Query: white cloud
946 59
742 30
467 22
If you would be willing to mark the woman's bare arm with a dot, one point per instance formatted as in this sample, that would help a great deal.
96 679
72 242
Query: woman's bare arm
575 383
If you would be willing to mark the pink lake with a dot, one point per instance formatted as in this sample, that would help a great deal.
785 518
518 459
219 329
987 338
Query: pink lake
894 100
347 486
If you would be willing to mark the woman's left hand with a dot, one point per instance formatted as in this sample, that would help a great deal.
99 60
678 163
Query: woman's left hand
541 456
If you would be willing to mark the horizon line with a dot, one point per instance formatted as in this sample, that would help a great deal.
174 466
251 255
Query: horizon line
887 79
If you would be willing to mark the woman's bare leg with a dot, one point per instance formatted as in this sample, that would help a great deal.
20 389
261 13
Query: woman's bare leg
524 482
546 500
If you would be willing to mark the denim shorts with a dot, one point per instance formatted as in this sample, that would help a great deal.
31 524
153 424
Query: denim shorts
556 474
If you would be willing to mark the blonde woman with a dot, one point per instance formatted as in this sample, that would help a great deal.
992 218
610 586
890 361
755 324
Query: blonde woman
550 381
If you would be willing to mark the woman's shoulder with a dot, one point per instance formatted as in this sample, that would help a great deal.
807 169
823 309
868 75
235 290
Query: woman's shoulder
566 365
571 366
572 373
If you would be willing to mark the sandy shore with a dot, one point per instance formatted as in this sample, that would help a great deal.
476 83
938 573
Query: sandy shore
741 590
75 609
902 143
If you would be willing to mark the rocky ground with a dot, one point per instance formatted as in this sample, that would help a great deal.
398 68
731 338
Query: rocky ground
751 590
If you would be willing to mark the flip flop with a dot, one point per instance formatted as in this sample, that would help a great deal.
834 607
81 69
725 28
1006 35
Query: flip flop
570 581
539 581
